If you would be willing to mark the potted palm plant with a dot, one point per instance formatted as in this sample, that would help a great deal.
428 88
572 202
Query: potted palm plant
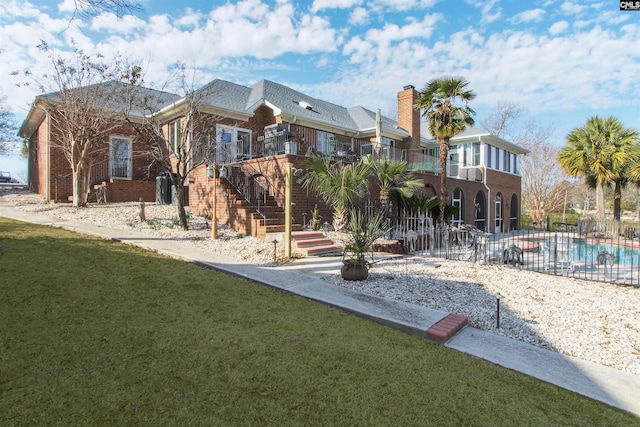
363 232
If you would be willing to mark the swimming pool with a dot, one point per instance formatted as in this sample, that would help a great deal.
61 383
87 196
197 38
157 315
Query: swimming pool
589 253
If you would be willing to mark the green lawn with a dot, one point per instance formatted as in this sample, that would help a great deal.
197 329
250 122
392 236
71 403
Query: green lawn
94 332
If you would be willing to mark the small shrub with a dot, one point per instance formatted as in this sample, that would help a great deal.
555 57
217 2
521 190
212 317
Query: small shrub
153 224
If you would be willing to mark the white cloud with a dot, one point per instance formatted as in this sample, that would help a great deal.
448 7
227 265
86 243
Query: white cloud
226 35
532 15
380 42
67 6
249 9
572 8
403 5
334 4
189 18
359 16
488 9
111 23
558 27
13 9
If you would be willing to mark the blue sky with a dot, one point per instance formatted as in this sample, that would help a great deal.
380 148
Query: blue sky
564 61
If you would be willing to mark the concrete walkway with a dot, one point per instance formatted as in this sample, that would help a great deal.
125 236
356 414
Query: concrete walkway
616 388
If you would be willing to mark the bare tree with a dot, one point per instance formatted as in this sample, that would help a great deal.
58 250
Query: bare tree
91 8
82 97
544 184
7 129
180 134
503 120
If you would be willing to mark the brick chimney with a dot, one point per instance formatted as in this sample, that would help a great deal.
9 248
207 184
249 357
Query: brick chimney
409 117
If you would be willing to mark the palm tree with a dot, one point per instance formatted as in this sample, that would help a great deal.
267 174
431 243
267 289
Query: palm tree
340 185
445 104
604 151
393 176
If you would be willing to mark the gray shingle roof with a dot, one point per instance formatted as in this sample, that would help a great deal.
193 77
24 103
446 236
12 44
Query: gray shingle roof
234 97
366 119
226 95
117 93
231 96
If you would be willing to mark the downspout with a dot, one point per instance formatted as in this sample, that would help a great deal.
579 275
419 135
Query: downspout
378 132
47 181
484 181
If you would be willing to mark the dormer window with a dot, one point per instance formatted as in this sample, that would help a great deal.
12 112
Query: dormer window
305 105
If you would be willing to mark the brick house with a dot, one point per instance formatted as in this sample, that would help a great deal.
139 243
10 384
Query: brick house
263 127
122 167
483 174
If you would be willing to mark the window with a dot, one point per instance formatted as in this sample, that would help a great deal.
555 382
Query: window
174 136
326 142
471 154
498 213
507 162
475 154
488 153
387 148
457 200
366 150
120 157
454 163
232 144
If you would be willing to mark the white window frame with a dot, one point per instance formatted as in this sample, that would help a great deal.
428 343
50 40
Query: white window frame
475 154
227 150
175 132
499 219
454 164
366 149
112 158
457 219
507 161
323 143
387 148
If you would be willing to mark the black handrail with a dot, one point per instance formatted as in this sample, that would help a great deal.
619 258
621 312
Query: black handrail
255 188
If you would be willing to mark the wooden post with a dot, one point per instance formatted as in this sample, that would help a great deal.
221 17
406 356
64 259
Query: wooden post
214 213
287 210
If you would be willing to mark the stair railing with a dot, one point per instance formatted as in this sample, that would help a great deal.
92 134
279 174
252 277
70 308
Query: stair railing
99 172
255 189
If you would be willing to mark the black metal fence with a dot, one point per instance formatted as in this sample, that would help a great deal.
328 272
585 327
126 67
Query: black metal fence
590 253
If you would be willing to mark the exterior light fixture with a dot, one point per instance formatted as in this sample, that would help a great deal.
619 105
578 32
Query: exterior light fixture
498 298
275 248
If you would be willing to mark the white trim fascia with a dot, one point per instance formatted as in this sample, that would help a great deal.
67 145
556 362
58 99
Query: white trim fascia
226 113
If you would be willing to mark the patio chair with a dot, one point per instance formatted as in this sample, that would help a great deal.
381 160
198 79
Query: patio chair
557 257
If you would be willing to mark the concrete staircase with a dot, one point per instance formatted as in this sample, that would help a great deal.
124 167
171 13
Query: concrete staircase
313 243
